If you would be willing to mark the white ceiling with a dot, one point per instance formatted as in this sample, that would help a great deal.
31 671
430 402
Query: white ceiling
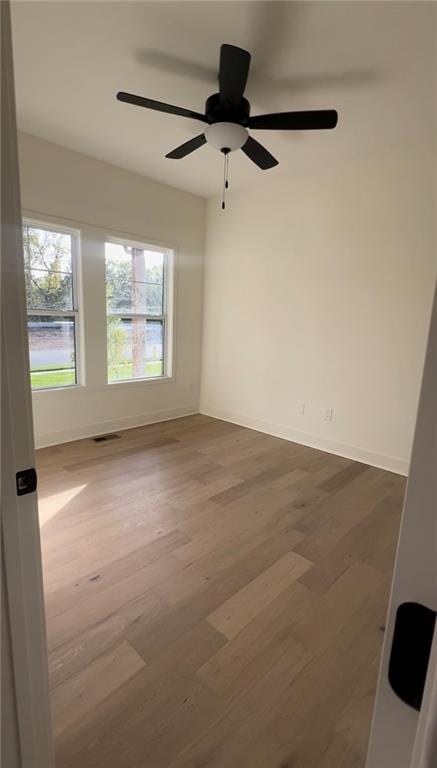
368 60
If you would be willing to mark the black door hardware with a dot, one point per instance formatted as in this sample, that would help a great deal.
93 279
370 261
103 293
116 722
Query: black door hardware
26 481
411 648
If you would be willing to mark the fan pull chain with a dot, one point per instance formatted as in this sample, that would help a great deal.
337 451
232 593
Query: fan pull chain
225 177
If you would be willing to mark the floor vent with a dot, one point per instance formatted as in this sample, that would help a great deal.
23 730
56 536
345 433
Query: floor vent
103 438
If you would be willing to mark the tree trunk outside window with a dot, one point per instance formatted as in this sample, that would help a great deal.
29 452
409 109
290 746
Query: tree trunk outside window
139 306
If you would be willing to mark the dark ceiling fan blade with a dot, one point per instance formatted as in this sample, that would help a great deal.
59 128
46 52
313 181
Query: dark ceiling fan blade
187 148
160 106
259 154
234 68
313 120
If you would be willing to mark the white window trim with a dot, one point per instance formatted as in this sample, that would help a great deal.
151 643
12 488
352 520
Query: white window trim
77 300
167 317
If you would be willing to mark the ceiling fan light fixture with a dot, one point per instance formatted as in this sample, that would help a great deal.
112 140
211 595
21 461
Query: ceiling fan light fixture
224 135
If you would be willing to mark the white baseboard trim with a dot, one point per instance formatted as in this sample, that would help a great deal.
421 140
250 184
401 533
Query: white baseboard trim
380 460
112 425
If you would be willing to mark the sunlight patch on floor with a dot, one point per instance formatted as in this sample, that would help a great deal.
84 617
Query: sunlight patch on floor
49 506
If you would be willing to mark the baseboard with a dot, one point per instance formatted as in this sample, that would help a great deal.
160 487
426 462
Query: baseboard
390 463
112 425
380 460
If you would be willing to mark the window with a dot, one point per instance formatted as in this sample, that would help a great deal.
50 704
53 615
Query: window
52 311
137 299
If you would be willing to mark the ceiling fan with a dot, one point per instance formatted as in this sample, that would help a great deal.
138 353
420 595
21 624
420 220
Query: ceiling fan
227 115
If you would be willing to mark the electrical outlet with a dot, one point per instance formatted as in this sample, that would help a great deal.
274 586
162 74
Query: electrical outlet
329 414
302 408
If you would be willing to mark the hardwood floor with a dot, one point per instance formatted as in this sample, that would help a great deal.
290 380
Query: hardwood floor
215 598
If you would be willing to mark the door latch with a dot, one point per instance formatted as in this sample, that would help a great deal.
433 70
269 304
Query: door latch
26 481
410 652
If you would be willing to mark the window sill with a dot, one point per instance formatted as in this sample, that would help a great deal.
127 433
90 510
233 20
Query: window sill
76 388
137 382
51 390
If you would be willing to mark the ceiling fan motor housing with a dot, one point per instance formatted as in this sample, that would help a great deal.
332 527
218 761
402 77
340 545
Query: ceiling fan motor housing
217 110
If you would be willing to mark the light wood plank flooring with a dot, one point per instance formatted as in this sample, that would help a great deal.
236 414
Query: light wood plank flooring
215 598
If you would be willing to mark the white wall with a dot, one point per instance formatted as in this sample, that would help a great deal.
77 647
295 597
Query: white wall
318 292
319 277
65 187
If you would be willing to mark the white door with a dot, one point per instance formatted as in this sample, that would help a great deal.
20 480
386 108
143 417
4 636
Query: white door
404 730
26 737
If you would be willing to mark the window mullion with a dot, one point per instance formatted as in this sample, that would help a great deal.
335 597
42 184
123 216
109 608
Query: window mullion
133 316
52 312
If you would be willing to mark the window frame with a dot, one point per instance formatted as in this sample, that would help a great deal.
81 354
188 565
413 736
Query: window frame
167 306
75 312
